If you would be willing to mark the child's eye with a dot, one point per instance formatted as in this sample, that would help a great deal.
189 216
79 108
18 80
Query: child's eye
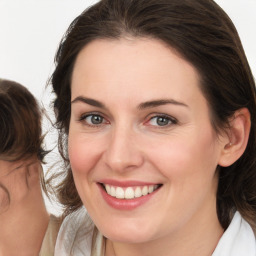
161 121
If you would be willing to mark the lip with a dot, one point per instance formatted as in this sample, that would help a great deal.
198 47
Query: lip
125 204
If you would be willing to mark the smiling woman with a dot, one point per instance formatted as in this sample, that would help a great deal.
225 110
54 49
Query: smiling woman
155 105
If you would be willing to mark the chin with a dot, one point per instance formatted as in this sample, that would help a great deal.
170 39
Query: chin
127 238
129 233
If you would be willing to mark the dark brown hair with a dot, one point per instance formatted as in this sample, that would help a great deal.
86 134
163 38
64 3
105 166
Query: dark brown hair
20 119
20 122
202 33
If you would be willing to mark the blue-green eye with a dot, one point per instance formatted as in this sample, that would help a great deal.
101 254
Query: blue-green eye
161 121
93 119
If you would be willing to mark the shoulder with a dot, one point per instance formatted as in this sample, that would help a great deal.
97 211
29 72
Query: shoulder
75 235
50 237
237 240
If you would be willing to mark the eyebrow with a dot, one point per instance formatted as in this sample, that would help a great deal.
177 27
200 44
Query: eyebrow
141 106
89 101
160 102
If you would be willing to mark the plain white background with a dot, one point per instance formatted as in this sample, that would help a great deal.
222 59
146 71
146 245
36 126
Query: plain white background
30 31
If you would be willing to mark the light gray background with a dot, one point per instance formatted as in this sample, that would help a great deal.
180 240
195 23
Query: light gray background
30 31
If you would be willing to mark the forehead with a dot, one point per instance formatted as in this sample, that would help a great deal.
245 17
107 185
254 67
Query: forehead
137 67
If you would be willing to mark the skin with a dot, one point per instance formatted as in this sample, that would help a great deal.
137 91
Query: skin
130 145
23 219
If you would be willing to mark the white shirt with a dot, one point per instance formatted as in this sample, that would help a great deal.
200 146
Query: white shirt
75 238
48 244
237 240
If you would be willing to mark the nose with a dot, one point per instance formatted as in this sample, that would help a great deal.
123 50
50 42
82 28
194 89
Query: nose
123 150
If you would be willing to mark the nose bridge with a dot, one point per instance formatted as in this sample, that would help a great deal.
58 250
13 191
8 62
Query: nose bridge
123 151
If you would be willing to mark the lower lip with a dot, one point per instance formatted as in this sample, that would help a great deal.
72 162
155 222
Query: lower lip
125 204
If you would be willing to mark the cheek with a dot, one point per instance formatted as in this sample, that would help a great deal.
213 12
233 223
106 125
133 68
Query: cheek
187 158
83 153
189 169
77 153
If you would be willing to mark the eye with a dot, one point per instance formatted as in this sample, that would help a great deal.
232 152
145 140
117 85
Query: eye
161 121
93 119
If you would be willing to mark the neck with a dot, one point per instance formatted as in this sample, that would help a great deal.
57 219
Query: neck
23 218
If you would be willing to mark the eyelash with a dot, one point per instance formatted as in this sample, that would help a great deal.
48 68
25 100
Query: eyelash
83 119
170 120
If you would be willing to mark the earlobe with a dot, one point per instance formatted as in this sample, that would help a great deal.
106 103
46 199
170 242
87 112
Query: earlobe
238 135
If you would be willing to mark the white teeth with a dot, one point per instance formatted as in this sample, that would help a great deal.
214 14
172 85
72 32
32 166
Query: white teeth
119 193
138 192
113 191
145 190
129 192
108 189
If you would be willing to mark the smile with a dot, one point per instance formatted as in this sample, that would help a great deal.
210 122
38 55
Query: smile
129 192
127 195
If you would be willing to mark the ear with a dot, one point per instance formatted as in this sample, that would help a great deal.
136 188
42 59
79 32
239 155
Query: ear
236 137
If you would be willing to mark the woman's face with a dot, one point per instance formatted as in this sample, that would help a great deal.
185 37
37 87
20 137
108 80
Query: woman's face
141 145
